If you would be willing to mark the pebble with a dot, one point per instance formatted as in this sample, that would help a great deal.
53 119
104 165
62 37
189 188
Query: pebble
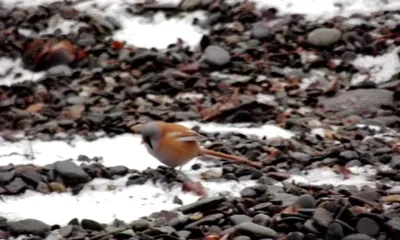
216 55
28 226
71 172
257 230
324 36
93 82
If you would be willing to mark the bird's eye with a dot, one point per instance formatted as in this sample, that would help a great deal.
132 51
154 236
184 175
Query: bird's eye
148 142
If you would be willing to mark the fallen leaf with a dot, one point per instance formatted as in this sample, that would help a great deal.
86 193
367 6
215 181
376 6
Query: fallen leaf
357 210
391 199
117 44
273 152
80 54
291 209
342 170
212 237
194 187
34 108
73 112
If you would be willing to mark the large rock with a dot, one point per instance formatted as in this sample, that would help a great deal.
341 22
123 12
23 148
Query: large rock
28 226
71 172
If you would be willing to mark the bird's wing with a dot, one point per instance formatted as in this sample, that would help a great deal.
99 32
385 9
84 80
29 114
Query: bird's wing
186 136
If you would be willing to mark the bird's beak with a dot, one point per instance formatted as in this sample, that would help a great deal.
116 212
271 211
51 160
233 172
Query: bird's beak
136 128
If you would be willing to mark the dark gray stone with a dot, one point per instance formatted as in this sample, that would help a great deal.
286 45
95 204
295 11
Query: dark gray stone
16 186
6 177
201 204
306 201
257 230
71 172
358 236
28 226
216 55
260 30
240 218
323 217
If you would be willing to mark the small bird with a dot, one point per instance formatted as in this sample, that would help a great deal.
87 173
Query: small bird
175 145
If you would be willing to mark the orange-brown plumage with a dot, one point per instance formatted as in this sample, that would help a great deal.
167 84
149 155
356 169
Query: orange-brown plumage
175 145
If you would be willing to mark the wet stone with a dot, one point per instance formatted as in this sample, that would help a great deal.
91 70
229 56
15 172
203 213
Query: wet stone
334 232
248 192
240 218
323 217
306 201
301 157
91 225
28 226
357 236
257 230
204 203
17 186
368 226
216 55
6 177
71 172
260 30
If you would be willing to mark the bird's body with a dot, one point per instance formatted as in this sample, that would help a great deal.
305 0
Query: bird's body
178 152
175 145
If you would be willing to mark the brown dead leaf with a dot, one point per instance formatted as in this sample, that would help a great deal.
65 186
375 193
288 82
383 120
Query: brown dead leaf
212 237
291 209
343 171
34 108
273 152
74 112
117 44
358 210
391 199
194 187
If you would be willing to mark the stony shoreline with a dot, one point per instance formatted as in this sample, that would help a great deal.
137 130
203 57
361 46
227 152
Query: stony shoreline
254 65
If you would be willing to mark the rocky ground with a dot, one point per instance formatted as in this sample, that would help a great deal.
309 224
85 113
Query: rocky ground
93 82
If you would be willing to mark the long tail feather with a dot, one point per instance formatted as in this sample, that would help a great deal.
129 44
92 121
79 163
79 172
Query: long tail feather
232 158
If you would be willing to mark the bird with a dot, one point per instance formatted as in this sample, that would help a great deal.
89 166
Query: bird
175 145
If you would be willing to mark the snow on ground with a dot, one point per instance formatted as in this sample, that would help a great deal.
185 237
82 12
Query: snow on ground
106 199
318 9
381 68
128 203
11 72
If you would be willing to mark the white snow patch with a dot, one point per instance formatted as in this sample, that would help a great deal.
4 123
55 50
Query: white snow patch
380 68
104 200
268 131
121 150
327 8
326 175
157 32
11 72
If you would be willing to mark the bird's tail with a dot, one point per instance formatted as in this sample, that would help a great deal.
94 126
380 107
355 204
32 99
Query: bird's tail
232 158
